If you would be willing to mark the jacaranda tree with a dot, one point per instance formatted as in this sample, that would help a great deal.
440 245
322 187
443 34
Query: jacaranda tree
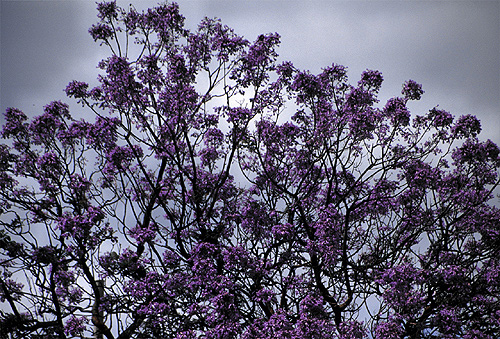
217 193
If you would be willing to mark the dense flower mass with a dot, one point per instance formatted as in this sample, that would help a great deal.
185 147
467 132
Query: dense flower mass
101 32
220 193
412 90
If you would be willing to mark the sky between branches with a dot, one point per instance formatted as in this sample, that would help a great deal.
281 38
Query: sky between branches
451 47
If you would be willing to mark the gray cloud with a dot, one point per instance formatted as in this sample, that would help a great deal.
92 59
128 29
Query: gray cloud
35 45
451 47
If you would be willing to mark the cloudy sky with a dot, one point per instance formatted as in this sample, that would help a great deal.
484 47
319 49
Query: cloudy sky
451 47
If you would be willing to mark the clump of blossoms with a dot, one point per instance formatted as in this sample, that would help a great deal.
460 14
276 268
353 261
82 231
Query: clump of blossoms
219 193
74 326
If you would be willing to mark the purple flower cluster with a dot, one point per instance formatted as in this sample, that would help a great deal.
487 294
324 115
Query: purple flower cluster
77 89
79 226
243 198
107 10
101 32
164 20
371 79
440 118
74 134
120 157
466 126
257 61
214 37
473 152
402 293
397 111
44 127
49 164
390 329
14 123
79 184
127 263
75 326
144 234
412 90
102 134
119 86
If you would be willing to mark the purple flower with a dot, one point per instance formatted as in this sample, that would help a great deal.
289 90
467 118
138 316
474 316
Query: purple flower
242 198
283 231
79 184
390 329
101 32
164 20
79 226
119 86
119 158
466 126
440 118
259 57
412 90
371 79
209 156
448 322
102 134
107 10
46 126
49 164
142 235
339 73
307 85
238 114
352 330
77 89
132 20
265 295
213 136
57 109
477 153
74 134
397 111
402 292
75 326
14 123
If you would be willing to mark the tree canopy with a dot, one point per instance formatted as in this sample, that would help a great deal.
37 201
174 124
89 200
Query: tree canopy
218 193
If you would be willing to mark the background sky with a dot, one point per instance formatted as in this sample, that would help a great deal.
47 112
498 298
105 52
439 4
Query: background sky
451 47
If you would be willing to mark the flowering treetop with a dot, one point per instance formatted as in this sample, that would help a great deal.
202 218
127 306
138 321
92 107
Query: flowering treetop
219 193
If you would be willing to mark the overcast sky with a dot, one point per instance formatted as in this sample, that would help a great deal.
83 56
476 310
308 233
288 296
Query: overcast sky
451 47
